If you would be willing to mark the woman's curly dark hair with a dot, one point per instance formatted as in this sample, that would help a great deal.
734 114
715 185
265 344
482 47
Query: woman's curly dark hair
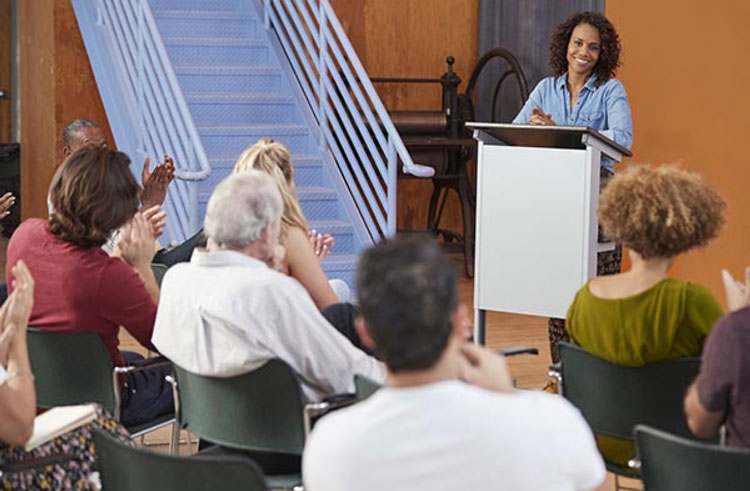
660 212
92 193
609 50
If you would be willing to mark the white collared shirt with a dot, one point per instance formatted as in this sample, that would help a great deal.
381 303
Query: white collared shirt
224 314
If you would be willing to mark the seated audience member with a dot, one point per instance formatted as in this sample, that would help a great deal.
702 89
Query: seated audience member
641 316
720 393
82 132
78 286
304 253
74 465
228 311
17 397
447 418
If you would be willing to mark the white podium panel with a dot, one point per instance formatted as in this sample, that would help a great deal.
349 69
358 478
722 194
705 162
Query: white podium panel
531 204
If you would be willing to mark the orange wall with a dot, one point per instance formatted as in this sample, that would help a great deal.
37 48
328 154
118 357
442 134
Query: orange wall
688 81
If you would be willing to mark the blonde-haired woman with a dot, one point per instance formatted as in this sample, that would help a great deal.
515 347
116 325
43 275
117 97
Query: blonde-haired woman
641 316
304 249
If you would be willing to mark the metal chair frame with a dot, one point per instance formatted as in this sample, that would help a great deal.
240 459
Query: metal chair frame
92 345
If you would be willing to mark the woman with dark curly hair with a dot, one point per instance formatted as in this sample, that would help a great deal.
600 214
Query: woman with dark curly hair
641 316
584 56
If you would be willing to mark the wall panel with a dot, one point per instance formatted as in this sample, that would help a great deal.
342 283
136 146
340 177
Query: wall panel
686 77
396 38
57 86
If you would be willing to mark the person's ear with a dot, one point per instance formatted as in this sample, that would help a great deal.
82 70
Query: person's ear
460 323
66 152
363 333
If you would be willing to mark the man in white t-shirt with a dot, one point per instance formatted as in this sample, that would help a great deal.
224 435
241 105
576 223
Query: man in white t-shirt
448 418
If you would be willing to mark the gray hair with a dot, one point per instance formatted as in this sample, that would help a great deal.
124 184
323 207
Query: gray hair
240 207
70 132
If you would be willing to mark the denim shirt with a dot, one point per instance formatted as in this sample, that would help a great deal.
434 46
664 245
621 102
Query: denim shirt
604 108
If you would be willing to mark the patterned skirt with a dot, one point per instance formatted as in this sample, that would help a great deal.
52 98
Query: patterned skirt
66 462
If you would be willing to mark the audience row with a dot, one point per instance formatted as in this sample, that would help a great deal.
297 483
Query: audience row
249 288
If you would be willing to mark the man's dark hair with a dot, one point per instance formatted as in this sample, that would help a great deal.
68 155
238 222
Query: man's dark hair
407 293
92 193
70 132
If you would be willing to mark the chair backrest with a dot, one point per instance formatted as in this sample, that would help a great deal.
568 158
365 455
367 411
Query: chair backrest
672 463
159 271
365 387
261 410
70 368
124 468
614 399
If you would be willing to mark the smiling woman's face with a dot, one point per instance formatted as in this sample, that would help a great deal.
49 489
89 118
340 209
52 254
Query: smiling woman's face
583 49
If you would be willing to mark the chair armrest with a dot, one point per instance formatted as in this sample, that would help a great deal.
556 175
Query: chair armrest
156 361
555 370
518 350
314 410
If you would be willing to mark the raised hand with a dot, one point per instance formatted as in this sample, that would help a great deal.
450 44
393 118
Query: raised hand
16 310
137 242
155 183
321 244
738 294
22 298
155 217
6 201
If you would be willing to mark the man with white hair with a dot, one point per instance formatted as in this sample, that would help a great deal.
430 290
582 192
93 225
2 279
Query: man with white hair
228 311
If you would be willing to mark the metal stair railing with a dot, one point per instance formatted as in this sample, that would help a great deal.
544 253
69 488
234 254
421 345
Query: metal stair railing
354 126
156 107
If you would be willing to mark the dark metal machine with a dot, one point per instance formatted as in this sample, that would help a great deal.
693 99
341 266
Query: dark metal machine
440 139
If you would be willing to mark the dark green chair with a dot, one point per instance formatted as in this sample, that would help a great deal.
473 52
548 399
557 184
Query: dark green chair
614 399
263 411
159 271
76 368
125 468
672 463
365 387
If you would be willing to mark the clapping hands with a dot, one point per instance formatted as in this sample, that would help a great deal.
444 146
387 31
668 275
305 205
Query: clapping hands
155 183
6 201
16 310
738 294
136 243
321 243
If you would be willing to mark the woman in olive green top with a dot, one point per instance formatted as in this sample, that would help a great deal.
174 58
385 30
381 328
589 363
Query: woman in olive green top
641 316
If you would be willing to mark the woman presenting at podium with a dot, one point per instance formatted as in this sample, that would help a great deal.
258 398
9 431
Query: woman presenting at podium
584 56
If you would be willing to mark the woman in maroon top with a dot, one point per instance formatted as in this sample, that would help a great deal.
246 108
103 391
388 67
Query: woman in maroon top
78 286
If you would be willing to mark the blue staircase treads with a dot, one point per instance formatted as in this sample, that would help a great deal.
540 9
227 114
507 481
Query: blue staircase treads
213 51
231 140
229 79
238 92
207 23
243 108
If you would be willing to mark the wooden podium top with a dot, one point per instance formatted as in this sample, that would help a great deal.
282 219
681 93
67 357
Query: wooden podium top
524 135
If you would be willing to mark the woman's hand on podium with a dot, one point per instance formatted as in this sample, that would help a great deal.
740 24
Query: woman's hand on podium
541 118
